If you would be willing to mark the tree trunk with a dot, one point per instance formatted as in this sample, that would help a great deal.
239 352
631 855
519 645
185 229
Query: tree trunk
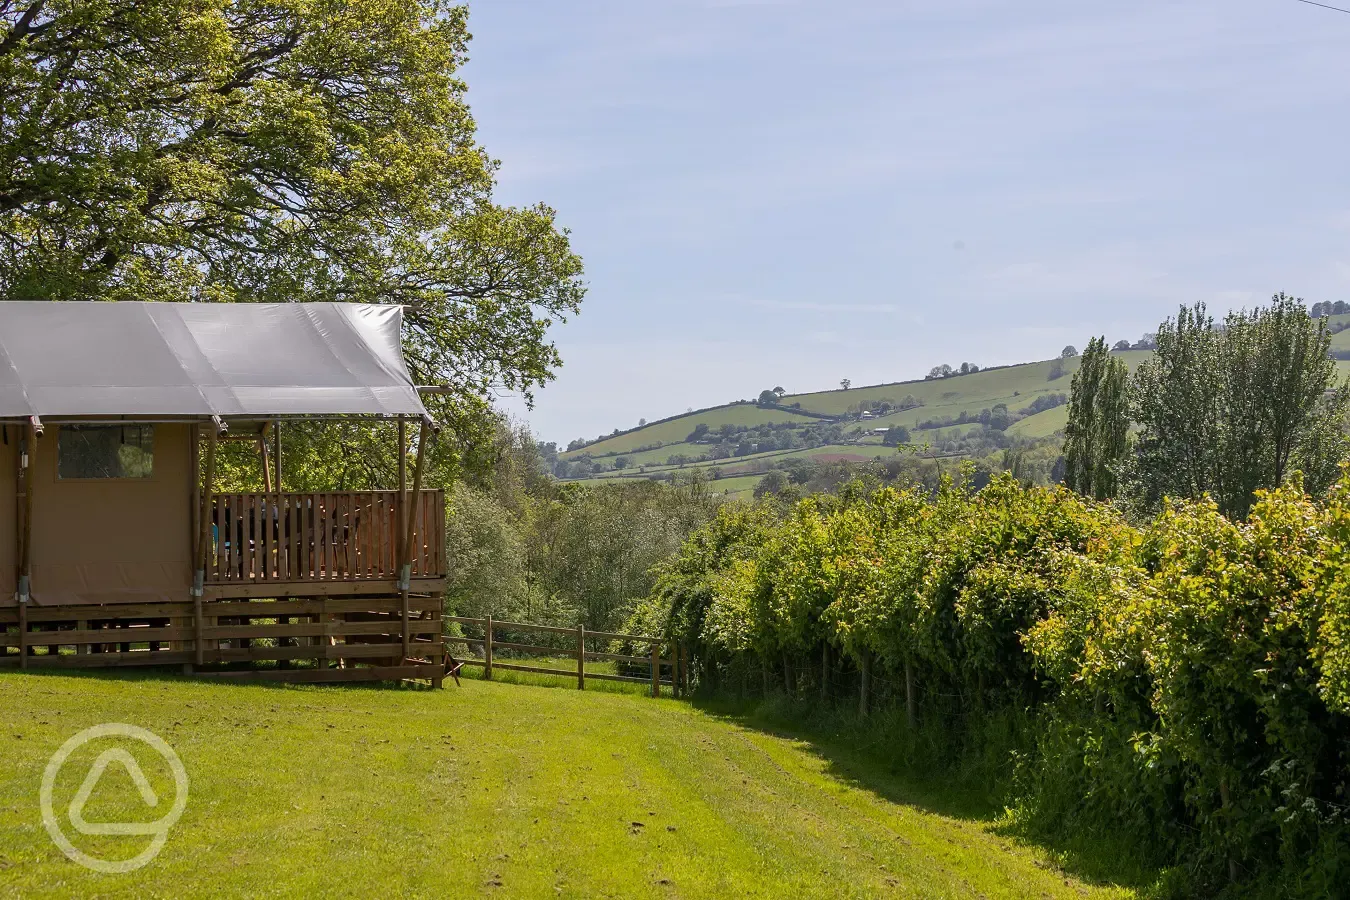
1226 798
911 704
864 692
789 684
764 671
825 672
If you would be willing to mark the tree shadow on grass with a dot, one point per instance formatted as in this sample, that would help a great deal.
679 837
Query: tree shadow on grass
880 756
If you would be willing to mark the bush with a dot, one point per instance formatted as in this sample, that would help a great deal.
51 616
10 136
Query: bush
1178 689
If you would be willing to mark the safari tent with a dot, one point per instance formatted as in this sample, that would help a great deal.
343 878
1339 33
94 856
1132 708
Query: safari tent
117 549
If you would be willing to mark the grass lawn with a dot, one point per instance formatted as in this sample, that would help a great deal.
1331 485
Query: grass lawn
502 790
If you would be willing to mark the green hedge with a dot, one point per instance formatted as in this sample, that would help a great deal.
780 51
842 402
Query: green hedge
1188 678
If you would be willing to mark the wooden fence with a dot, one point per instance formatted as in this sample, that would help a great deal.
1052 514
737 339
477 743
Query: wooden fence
671 669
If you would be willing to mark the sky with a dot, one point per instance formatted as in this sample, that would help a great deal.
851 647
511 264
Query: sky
777 193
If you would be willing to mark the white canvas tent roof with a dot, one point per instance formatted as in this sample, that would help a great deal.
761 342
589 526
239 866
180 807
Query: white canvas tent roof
67 359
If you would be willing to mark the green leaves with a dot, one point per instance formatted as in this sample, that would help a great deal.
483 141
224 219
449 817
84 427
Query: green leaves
1190 677
275 150
1096 435
1225 411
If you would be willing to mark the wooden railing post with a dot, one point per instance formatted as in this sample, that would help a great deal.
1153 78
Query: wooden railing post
656 670
581 657
487 649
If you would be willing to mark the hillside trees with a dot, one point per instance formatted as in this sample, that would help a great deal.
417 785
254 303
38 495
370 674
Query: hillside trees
1095 438
895 436
226 150
522 546
1226 411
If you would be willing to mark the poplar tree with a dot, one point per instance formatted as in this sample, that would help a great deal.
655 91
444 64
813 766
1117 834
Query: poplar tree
1096 436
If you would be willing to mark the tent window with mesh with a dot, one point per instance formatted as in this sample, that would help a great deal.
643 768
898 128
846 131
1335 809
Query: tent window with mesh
105 451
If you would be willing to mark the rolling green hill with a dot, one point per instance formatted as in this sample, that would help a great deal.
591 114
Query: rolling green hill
829 425
942 416
1015 386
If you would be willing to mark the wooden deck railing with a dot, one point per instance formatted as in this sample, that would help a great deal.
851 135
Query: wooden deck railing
330 536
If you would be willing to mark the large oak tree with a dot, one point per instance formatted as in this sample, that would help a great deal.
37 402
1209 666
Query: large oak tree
274 150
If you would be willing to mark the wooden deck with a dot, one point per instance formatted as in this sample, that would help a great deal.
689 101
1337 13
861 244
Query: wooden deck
299 587
304 639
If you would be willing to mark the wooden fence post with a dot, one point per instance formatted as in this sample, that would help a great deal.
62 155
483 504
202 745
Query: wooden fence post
656 670
487 650
581 657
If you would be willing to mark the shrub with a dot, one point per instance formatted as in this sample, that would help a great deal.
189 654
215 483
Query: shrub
1179 689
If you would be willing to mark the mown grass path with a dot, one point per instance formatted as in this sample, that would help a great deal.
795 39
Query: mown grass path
485 790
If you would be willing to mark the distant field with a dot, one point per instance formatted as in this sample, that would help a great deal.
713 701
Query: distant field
844 451
735 485
939 435
661 454
1043 424
678 429
948 396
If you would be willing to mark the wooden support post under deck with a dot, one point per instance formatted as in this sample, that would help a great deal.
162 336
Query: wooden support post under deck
23 635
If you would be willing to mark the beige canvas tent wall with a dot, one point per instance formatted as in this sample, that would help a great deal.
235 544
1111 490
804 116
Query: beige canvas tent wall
105 540
134 558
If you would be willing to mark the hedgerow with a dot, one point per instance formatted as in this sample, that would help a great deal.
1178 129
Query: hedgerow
1186 681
